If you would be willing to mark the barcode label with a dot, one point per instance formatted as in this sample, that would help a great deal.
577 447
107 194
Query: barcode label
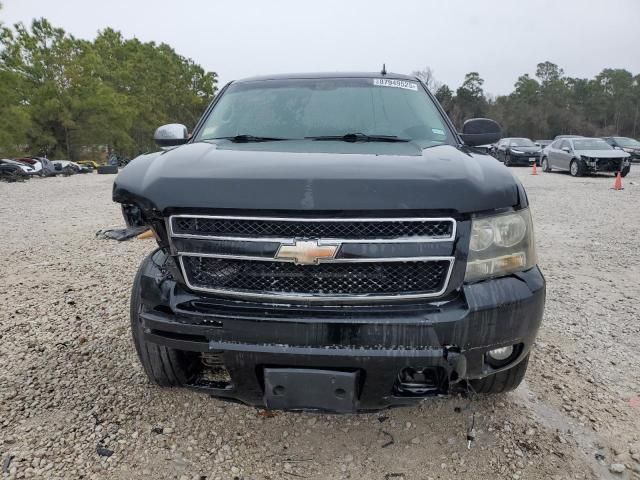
390 82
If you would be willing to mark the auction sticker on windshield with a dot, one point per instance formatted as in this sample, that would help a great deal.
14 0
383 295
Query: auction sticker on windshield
391 82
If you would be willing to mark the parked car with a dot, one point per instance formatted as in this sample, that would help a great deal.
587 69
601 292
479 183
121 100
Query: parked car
41 165
11 171
560 137
25 167
629 145
517 151
69 168
307 263
581 155
543 143
488 148
89 163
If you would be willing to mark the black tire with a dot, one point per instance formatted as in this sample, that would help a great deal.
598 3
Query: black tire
507 160
625 171
501 382
164 366
575 168
545 165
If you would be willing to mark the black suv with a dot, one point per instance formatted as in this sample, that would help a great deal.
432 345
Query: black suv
331 242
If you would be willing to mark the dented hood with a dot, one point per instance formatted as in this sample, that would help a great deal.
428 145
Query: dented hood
317 175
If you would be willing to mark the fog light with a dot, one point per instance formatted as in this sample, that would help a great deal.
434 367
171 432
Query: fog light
501 353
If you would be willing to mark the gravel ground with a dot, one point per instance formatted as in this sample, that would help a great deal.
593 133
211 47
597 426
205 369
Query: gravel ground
75 403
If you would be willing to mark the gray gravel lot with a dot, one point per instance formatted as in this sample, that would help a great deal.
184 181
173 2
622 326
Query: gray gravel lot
71 387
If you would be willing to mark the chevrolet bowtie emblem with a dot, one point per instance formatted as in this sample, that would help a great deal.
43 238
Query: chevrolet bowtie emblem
307 252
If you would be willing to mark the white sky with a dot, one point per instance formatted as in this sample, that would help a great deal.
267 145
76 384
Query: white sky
501 39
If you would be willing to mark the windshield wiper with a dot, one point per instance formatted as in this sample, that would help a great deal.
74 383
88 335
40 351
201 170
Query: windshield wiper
247 138
360 137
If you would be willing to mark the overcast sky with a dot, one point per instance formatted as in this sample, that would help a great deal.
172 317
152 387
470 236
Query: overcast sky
501 39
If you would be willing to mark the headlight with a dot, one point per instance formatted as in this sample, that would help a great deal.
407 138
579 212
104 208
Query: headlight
516 151
499 245
628 150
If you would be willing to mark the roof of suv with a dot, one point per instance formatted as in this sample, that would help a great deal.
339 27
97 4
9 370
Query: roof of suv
285 76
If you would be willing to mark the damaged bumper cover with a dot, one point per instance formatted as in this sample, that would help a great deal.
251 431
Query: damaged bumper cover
376 343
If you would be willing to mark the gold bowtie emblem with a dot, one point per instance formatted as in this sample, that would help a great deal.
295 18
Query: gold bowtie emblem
307 252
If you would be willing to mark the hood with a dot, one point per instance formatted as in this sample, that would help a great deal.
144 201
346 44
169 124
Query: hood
317 176
603 153
533 149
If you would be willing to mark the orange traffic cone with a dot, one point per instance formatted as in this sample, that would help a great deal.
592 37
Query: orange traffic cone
617 185
534 170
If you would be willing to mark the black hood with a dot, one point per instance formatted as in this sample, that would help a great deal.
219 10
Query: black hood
317 176
533 149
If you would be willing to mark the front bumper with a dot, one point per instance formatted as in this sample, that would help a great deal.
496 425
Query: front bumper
524 158
607 165
378 341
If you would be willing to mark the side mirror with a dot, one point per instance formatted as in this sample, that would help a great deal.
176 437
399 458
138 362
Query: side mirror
170 135
480 131
566 149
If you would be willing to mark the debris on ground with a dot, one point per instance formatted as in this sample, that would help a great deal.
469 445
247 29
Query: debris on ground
120 234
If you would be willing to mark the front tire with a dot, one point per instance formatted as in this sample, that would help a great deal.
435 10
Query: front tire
545 165
502 382
507 160
625 171
576 168
164 366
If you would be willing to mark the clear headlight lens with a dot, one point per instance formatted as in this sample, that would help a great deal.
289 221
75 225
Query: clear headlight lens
500 245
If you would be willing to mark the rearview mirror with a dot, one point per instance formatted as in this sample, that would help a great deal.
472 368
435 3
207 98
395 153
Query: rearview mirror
480 131
170 135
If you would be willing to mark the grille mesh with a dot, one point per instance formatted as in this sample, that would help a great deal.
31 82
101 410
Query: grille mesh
231 227
329 279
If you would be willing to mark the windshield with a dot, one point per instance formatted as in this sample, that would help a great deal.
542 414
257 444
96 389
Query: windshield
591 144
627 142
299 108
521 142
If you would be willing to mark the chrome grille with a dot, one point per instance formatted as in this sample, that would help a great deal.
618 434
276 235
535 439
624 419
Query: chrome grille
241 259
332 279
346 229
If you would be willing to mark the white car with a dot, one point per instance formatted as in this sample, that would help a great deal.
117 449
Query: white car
62 166
29 170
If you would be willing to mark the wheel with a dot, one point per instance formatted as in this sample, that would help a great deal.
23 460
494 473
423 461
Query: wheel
545 165
501 382
576 168
625 171
507 160
164 366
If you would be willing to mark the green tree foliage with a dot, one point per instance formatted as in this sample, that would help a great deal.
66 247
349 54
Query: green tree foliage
60 95
470 100
551 103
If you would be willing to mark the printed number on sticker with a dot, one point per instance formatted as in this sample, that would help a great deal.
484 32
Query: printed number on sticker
390 82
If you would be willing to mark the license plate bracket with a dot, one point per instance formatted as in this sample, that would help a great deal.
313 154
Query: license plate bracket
308 389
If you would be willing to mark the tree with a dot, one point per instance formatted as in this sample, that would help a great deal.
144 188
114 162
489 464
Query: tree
64 94
427 77
470 100
444 95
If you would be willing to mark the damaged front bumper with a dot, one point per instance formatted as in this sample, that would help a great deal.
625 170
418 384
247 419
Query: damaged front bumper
382 355
607 165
